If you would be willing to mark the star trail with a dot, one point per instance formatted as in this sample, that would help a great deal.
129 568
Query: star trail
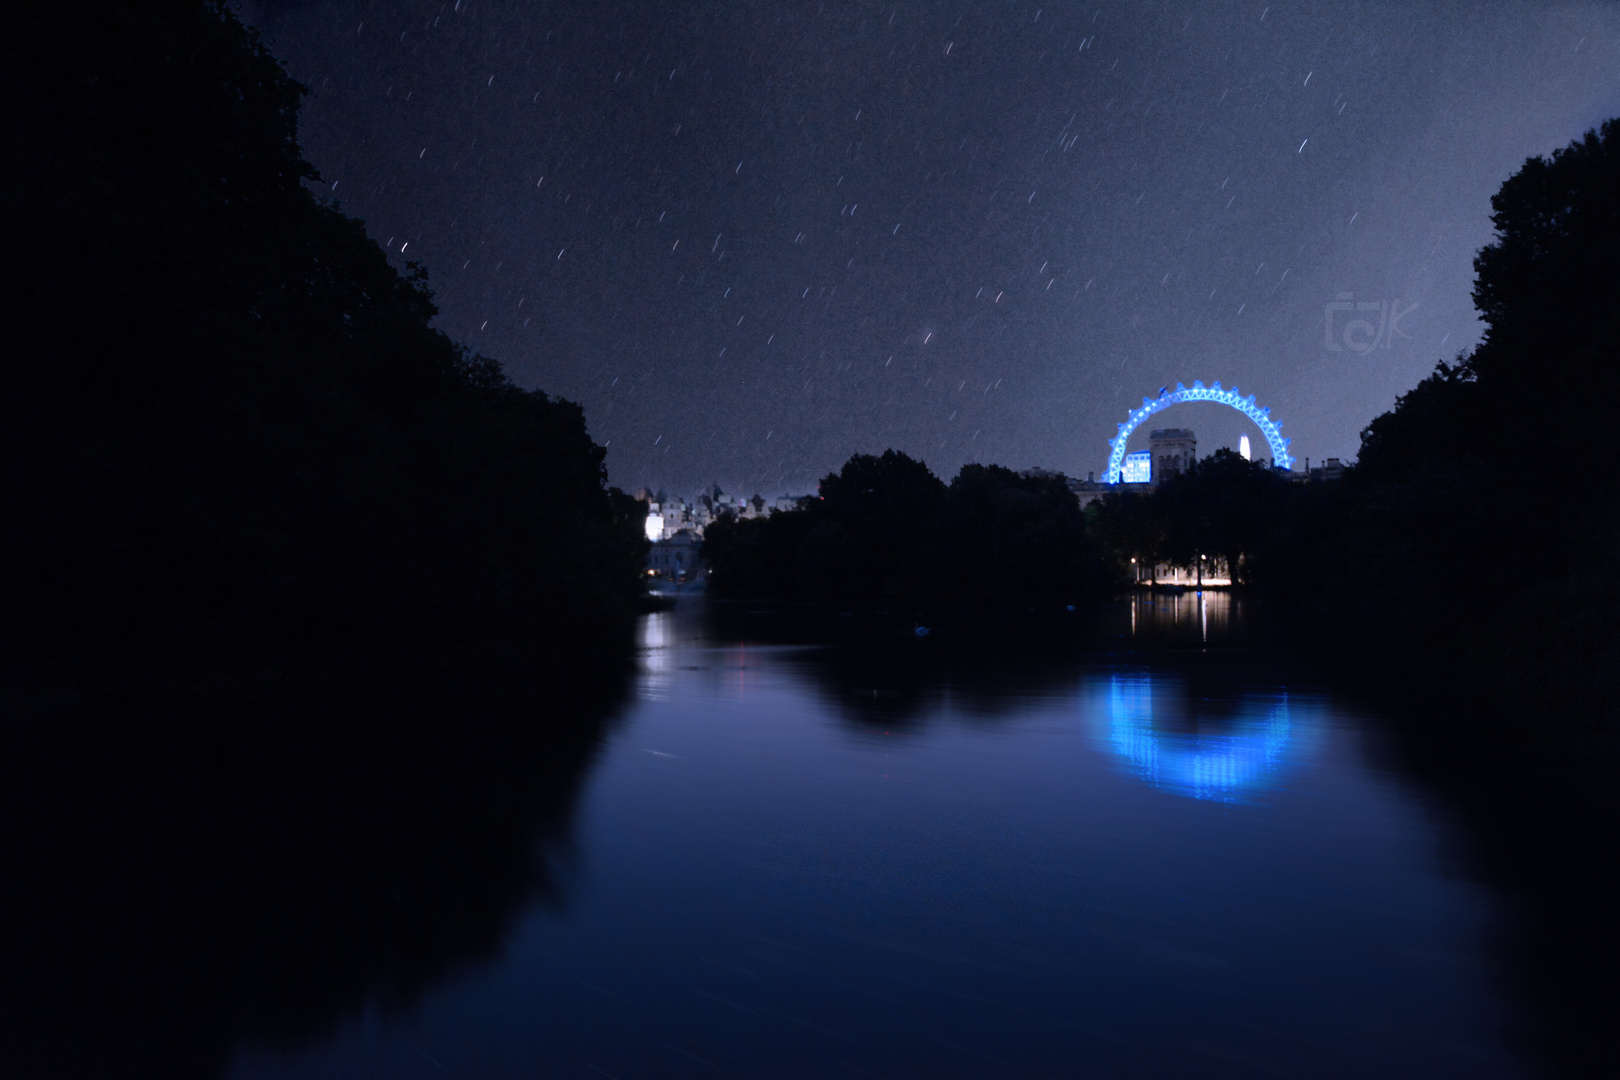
753 239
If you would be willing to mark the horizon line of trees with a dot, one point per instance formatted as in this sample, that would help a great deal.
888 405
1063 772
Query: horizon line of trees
886 537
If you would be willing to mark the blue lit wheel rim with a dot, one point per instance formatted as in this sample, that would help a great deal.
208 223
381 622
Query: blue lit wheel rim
1271 429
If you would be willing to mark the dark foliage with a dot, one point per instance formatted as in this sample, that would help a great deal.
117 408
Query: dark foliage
1492 482
178 880
1015 542
869 545
238 462
1223 506
1552 273
227 427
887 537
1547 289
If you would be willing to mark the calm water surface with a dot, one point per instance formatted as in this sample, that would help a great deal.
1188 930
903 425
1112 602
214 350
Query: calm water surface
1131 864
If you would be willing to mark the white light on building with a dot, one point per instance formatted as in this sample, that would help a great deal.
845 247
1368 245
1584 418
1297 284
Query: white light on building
1243 446
1138 468
655 527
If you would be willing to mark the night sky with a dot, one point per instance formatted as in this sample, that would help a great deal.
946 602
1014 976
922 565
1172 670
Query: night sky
754 238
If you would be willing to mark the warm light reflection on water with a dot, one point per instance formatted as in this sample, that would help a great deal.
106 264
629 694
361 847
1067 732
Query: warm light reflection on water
1203 615
656 638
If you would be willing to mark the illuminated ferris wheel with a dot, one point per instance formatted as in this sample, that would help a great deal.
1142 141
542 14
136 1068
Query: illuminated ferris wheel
1232 398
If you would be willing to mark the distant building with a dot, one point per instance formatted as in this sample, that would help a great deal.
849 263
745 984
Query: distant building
1138 468
667 518
1170 452
677 558
1091 489
1331 469
1173 451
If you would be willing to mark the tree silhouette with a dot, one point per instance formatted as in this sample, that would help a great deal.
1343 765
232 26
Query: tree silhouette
230 426
887 537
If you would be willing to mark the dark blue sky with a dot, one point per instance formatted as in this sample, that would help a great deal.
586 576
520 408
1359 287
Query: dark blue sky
752 239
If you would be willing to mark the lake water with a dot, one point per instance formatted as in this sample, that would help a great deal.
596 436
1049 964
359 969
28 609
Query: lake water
1124 862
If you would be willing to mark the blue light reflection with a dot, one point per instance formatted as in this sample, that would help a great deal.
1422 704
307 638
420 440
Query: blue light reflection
1243 756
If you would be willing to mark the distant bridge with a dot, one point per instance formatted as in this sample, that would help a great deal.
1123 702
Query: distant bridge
1270 428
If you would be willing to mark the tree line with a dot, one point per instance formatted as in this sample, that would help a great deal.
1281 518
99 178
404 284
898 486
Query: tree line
228 429
1481 522
886 537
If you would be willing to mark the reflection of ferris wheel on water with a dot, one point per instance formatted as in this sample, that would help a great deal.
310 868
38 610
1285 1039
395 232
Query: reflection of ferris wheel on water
1232 398
1205 766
